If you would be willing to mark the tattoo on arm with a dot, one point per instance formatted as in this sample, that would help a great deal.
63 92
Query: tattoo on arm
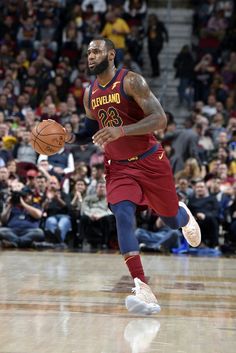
139 90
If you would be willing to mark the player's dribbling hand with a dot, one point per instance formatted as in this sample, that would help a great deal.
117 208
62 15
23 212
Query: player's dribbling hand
106 135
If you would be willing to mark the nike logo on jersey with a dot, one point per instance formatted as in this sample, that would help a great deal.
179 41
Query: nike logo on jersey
161 155
115 84
93 92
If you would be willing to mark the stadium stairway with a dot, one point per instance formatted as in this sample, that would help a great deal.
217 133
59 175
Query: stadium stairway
178 21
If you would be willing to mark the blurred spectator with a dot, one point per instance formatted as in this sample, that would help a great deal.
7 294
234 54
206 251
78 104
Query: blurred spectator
47 35
97 221
116 29
98 5
204 70
78 194
134 43
191 171
156 34
61 163
185 145
56 206
97 176
23 150
135 12
205 209
130 64
184 64
21 221
184 189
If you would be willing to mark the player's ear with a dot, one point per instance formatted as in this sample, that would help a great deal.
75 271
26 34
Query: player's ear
112 54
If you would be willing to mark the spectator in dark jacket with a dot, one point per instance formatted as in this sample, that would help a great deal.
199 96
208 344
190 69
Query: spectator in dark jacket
205 209
21 220
156 34
184 65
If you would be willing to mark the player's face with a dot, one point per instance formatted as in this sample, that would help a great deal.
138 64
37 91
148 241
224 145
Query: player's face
98 58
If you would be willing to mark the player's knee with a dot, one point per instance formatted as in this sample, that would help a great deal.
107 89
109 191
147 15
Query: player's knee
124 212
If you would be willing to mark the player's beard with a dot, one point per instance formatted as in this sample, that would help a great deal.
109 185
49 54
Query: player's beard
99 68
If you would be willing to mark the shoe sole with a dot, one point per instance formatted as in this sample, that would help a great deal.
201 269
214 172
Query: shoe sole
137 306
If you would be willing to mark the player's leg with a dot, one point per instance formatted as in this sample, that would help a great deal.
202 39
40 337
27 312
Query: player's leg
161 194
185 220
144 301
124 212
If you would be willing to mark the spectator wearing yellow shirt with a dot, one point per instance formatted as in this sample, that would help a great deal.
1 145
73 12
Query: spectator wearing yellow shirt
116 29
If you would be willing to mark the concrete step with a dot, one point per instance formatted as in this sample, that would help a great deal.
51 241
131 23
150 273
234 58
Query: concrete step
175 3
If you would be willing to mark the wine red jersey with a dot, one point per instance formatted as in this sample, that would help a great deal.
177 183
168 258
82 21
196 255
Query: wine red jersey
111 106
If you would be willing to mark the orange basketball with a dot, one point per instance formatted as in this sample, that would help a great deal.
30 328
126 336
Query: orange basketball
48 137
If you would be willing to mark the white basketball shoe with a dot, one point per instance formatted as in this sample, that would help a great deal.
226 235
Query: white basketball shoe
143 301
191 231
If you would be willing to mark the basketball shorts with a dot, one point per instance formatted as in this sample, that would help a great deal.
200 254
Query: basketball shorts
147 182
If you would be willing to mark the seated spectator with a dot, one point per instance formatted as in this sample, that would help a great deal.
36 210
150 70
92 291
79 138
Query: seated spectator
47 35
209 109
21 221
99 6
56 207
184 189
163 239
23 150
97 175
61 164
205 208
4 186
135 12
230 219
223 197
191 170
27 33
97 221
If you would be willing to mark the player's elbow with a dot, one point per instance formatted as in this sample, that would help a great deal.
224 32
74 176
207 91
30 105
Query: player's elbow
161 122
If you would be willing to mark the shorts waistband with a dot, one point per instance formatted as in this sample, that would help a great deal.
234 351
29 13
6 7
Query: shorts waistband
140 156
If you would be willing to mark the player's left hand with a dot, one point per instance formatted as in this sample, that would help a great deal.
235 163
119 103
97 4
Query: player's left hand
106 135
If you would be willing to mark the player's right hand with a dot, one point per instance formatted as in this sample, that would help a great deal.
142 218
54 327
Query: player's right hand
106 135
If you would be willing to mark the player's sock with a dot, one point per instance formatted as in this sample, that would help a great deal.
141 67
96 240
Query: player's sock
124 212
178 221
135 267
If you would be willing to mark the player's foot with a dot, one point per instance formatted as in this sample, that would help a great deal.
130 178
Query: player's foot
191 231
143 301
140 333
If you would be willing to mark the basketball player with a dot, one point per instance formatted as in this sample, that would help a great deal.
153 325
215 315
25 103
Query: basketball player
122 114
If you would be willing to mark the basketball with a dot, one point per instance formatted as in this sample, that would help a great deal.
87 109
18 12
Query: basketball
48 137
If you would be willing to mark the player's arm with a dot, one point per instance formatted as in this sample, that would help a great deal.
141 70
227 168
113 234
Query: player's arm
84 135
154 119
136 87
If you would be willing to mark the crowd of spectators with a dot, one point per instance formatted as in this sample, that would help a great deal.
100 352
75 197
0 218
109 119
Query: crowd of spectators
61 199
203 153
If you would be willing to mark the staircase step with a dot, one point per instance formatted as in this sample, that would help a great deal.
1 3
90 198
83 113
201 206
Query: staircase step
174 3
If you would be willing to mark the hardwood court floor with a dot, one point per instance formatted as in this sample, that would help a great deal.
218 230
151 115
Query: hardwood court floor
74 303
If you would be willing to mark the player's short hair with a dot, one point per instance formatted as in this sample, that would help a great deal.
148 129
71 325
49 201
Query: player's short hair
109 44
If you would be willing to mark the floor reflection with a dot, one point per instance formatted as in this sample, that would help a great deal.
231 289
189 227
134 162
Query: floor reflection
140 333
